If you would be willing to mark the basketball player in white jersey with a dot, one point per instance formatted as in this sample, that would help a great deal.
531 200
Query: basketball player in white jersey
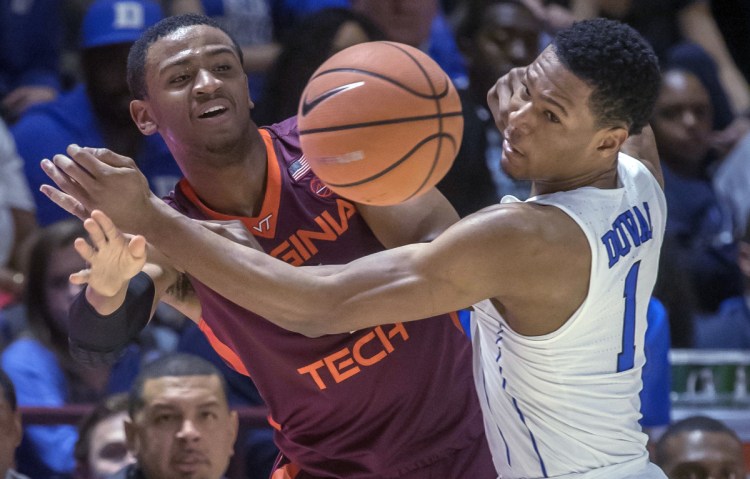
560 283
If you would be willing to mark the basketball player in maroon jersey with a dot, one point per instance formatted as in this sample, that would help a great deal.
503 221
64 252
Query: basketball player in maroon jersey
391 401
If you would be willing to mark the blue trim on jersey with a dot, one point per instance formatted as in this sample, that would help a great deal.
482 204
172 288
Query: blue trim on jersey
489 405
531 435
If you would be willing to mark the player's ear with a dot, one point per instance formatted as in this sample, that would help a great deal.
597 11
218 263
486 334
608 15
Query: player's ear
142 117
611 140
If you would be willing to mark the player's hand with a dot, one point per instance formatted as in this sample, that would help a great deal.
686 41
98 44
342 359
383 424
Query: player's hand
505 96
66 202
113 258
97 178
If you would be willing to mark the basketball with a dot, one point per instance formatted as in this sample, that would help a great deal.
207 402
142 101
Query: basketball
380 122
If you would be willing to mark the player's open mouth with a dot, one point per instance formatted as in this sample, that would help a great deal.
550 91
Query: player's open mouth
508 148
213 112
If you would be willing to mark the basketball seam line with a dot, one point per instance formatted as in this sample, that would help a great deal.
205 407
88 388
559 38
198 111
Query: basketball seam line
434 96
393 121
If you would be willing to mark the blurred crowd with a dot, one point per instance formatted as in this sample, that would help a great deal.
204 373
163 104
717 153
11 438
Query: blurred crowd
63 81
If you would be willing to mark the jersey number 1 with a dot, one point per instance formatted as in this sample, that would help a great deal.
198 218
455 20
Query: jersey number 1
626 357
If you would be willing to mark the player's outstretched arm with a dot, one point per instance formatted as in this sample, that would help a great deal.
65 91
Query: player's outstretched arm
495 253
121 293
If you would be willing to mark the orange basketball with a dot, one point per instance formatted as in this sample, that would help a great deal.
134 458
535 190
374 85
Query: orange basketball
380 122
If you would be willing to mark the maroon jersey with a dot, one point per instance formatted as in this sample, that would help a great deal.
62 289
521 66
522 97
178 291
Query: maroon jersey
372 403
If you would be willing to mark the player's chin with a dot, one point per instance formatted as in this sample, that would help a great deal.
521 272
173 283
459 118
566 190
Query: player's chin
512 168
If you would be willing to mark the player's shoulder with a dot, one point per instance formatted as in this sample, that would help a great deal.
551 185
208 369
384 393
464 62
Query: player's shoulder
524 223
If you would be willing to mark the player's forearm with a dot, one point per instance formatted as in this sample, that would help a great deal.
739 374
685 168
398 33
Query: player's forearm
99 338
312 301
106 304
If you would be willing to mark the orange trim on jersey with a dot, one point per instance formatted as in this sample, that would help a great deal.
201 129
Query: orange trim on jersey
224 351
273 423
287 471
263 225
456 321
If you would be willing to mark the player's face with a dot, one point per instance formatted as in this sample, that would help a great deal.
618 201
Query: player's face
552 136
682 119
198 94
704 455
184 430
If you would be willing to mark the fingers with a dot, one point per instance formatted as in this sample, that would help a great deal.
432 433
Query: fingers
504 97
106 225
65 201
81 277
95 158
84 249
96 233
101 229
63 180
137 247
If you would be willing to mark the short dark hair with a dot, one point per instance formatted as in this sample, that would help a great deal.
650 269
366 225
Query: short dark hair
692 423
139 50
9 390
618 64
109 406
174 364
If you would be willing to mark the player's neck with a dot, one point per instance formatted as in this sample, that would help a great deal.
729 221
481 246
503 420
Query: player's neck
606 179
232 183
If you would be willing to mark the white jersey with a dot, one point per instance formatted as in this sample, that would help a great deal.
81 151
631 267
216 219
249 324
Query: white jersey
566 403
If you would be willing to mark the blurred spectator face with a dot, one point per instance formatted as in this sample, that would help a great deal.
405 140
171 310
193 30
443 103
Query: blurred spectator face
59 292
109 451
507 38
703 455
404 21
184 429
106 82
10 434
682 120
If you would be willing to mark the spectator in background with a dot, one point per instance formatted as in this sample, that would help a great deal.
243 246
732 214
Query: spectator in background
180 423
421 24
30 38
96 112
700 447
668 23
251 23
17 220
101 449
39 363
729 327
10 427
494 36
733 19
311 42
257 445
732 181
698 268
